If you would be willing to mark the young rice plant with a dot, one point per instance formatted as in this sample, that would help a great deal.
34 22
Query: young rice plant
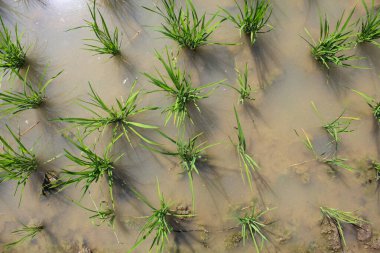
180 88
370 25
252 18
185 25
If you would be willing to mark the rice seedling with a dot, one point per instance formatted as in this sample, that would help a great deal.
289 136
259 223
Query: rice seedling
252 18
106 42
102 214
331 45
31 97
375 106
189 153
25 233
370 25
159 222
16 164
338 218
253 226
337 127
245 90
12 52
117 117
181 88
186 26
376 167
331 160
95 167
246 161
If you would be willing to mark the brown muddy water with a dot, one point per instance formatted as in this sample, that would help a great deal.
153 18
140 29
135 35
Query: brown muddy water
287 80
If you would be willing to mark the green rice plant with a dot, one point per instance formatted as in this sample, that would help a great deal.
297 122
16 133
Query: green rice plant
336 162
102 214
337 127
333 162
331 45
186 26
375 106
338 218
180 87
370 25
117 117
158 223
376 167
16 164
25 233
246 160
12 53
31 97
245 90
252 17
106 42
95 167
189 153
253 226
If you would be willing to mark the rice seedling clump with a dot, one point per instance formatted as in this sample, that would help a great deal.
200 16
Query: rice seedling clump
252 18
12 52
185 25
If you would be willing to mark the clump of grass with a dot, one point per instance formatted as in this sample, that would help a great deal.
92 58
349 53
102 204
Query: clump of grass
102 214
331 160
338 218
337 127
158 223
12 53
189 153
31 97
245 159
375 106
245 90
95 167
253 226
16 164
370 25
252 18
185 25
376 167
331 46
25 233
117 117
181 88
107 43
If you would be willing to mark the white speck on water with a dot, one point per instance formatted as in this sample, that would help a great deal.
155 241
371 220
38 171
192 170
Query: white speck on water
26 122
125 80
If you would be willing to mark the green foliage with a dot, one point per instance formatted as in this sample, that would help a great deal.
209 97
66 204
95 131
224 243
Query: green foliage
31 97
331 45
370 25
338 218
12 53
185 26
178 85
117 117
107 43
189 153
94 166
25 233
246 160
375 106
253 226
157 223
252 18
16 164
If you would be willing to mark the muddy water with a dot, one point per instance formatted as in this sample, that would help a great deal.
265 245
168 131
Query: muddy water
287 80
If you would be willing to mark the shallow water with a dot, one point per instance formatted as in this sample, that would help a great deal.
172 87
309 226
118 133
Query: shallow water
287 79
